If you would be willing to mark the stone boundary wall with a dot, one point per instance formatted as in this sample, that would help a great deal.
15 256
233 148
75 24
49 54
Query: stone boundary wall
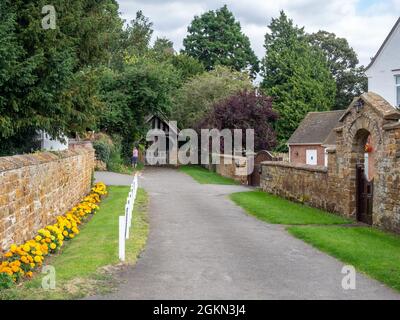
233 167
307 184
36 188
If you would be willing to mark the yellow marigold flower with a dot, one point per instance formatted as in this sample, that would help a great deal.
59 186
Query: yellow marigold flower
48 240
32 265
26 248
8 255
13 248
15 269
8 271
65 233
53 246
38 238
37 259
29 274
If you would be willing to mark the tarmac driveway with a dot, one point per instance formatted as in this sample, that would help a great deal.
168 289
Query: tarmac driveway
202 246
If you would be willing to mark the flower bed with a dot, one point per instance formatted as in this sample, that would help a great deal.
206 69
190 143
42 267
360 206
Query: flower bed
20 262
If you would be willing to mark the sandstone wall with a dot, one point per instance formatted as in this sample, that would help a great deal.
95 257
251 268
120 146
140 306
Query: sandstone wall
301 183
36 188
334 189
233 167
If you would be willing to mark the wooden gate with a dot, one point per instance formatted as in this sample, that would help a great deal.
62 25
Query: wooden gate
255 178
364 196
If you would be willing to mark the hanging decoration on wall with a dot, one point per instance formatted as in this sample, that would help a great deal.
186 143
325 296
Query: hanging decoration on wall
368 146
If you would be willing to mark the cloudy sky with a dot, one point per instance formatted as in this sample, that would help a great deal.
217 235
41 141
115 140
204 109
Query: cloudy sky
365 23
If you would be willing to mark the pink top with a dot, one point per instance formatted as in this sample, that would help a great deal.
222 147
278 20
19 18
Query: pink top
135 153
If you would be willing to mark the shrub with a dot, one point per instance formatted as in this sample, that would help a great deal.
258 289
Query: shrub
103 150
103 146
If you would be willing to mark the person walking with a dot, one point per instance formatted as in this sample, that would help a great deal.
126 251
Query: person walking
135 156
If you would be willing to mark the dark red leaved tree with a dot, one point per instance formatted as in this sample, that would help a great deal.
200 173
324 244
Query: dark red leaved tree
245 110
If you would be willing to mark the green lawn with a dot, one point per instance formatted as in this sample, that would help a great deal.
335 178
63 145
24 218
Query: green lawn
273 209
77 266
204 176
370 251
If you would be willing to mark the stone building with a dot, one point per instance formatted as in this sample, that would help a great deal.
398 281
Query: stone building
369 124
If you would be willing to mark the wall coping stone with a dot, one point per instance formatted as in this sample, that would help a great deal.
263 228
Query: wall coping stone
296 166
391 126
16 162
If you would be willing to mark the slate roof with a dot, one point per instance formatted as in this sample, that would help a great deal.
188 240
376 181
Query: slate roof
317 128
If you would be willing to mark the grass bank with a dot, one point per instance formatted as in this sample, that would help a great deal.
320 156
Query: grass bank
204 176
85 265
276 210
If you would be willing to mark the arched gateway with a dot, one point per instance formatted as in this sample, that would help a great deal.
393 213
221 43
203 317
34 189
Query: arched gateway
366 162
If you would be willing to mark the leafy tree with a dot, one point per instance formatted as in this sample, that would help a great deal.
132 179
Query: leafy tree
245 110
343 64
187 66
196 97
11 72
138 34
164 46
295 75
143 88
50 80
215 38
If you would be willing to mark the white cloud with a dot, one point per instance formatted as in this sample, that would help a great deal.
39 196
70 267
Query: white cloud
364 23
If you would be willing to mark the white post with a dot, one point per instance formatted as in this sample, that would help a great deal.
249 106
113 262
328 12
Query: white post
122 238
127 221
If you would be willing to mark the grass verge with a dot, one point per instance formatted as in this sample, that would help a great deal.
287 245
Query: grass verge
204 176
85 265
275 210
370 251
126 169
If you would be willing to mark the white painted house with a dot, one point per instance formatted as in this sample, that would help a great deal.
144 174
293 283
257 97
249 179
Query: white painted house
384 70
47 143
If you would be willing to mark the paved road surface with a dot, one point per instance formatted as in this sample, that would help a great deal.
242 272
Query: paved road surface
202 246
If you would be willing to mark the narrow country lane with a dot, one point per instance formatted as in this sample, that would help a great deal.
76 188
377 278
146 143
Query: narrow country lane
202 246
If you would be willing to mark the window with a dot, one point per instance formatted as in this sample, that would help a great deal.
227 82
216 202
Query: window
397 91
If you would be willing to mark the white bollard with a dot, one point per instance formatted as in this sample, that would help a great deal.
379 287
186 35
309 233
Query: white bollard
122 238
126 222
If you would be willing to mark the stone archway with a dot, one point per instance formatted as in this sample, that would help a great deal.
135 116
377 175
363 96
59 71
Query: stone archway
370 121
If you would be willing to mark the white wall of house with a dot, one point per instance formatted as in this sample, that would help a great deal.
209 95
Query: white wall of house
382 74
49 144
